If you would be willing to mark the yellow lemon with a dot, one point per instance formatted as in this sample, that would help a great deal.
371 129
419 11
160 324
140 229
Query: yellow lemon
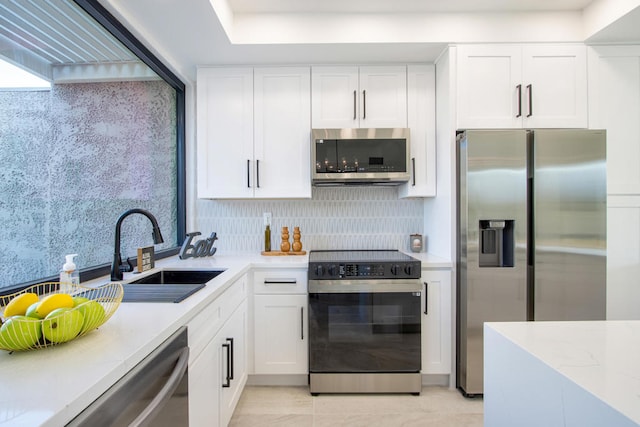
19 304
52 302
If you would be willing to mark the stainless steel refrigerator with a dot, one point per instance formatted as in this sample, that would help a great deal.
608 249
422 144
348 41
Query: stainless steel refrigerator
531 226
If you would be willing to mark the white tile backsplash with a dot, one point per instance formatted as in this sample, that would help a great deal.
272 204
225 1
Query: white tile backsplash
334 218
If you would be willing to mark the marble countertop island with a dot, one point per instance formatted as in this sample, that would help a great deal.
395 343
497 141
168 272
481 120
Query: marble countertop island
562 373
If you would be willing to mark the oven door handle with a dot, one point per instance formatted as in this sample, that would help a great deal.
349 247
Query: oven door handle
148 414
426 297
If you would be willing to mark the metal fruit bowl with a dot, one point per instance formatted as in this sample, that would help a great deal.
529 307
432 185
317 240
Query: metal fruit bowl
25 333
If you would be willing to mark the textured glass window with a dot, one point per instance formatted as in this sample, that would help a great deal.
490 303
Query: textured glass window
73 158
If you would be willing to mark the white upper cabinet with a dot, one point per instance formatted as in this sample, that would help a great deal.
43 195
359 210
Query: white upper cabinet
225 132
359 97
282 132
614 85
421 122
516 86
254 132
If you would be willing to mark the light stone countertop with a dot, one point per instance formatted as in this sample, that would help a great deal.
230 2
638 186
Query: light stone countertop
49 387
600 357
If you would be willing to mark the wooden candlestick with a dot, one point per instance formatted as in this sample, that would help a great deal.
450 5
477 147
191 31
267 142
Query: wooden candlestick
297 244
285 246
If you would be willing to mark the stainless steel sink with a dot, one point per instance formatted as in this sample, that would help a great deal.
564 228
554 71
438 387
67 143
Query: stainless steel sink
178 277
167 285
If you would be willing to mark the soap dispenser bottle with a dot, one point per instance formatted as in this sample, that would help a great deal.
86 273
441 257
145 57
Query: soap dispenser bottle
69 272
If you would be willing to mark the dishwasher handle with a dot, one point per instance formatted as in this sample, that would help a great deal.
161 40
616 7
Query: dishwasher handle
149 413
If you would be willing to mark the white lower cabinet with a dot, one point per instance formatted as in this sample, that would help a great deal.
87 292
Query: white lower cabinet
218 358
232 350
436 322
204 387
280 322
280 334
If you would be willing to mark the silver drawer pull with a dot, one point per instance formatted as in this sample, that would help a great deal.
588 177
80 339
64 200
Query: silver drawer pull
280 281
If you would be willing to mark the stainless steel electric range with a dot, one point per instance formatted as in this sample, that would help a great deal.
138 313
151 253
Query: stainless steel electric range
364 322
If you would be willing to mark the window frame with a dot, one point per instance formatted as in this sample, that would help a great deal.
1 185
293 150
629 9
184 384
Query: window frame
111 24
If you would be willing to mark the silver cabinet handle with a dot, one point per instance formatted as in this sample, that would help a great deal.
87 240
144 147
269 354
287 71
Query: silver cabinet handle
354 104
149 413
364 104
302 323
413 166
519 89
258 173
280 281
530 94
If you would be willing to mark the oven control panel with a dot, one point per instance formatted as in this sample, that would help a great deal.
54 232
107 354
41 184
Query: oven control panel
385 270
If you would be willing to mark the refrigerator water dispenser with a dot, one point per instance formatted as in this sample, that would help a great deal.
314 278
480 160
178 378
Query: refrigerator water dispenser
496 243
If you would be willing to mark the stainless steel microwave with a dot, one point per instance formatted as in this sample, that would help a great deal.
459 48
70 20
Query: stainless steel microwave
360 156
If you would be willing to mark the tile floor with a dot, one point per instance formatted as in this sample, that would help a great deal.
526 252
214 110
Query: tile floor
294 406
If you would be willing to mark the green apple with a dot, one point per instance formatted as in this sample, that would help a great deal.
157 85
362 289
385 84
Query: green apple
62 325
79 300
31 311
20 332
93 313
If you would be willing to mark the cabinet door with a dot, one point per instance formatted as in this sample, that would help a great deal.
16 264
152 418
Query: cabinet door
614 105
555 86
282 132
421 121
231 342
204 387
614 85
489 87
281 334
383 97
436 322
225 132
335 99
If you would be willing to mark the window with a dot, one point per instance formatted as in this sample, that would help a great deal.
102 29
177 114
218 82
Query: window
106 137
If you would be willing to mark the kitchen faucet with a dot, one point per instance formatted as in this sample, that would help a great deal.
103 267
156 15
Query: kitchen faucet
116 267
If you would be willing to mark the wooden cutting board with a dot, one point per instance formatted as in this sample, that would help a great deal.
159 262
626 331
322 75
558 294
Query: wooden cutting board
280 253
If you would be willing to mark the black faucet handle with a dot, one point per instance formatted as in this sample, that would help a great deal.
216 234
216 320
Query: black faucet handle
128 267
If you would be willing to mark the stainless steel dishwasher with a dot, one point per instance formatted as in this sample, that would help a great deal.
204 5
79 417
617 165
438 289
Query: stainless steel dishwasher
155 392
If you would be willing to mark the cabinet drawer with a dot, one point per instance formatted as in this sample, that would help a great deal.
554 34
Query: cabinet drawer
209 321
280 282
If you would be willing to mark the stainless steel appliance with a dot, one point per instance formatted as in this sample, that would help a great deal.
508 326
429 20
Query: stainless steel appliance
360 156
531 233
154 393
364 322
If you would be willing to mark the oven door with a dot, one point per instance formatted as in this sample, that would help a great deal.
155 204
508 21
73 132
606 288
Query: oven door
364 332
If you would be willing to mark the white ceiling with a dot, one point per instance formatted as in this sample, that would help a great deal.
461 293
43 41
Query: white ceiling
219 32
